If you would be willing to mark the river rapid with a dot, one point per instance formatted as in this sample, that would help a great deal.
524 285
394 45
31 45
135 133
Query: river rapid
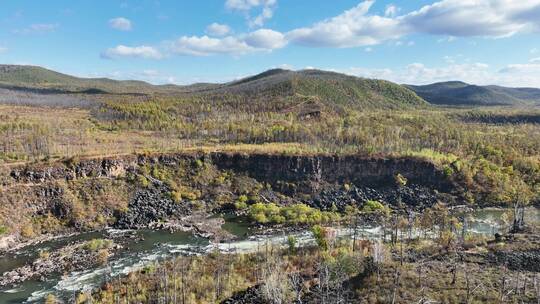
143 247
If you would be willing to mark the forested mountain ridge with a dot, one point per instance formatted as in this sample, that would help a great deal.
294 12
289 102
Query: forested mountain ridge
34 77
327 87
461 93
321 86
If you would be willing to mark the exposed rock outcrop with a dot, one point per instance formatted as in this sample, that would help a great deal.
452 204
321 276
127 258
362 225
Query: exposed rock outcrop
149 206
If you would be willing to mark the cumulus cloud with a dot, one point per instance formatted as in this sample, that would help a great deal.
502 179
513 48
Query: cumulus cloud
285 66
514 75
216 29
150 73
245 6
494 18
356 27
206 46
535 60
452 18
350 29
143 51
266 39
260 40
391 10
38 28
525 68
121 24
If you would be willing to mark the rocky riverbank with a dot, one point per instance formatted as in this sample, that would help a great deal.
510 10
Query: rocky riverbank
73 257
415 197
167 190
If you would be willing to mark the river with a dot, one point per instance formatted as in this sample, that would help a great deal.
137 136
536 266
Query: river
149 246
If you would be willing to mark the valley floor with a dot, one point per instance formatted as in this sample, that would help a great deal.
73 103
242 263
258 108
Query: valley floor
118 163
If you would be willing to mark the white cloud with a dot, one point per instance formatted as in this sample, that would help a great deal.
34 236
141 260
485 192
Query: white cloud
493 18
535 60
206 46
121 24
266 39
216 29
356 27
350 29
447 39
245 6
285 66
260 40
514 75
534 51
38 28
150 73
143 51
391 10
3 49
523 68
266 14
452 18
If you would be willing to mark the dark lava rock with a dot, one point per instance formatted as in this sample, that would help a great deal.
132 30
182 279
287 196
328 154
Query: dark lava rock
413 196
149 206
518 260
248 296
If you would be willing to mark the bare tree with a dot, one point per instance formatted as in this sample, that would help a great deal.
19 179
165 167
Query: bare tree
277 287
378 253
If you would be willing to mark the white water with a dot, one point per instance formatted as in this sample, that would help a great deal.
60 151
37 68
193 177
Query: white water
162 245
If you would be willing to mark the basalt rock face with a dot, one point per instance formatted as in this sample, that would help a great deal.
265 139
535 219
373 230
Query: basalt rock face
305 173
309 173
252 295
416 197
148 206
518 260
63 189
70 170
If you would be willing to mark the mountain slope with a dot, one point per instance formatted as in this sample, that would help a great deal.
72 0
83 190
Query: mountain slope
288 87
325 87
460 93
34 77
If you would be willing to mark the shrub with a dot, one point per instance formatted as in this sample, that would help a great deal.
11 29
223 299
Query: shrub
176 196
98 244
292 243
44 254
3 229
143 181
400 180
50 299
241 202
240 205
28 231
373 206
319 233
295 214
102 256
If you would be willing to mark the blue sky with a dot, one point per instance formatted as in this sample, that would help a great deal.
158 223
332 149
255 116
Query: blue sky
166 41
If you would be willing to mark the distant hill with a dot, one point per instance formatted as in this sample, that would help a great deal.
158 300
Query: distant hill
460 93
313 88
41 79
322 87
